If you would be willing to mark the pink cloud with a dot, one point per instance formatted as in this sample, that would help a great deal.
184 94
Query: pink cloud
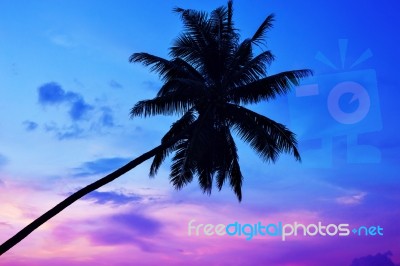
148 232
352 199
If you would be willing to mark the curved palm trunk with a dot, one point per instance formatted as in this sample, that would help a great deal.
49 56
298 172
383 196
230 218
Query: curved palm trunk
77 195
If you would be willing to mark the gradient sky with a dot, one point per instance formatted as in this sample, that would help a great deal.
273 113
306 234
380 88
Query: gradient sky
66 88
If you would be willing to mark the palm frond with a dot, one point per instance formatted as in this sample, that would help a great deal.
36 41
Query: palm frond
207 42
167 69
160 157
218 20
228 163
231 36
267 88
230 15
221 175
236 178
202 60
240 56
223 158
211 157
164 105
183 87
196 24
226 37
267 137
260 34
182 168
205 176
178 128
185 47
253 70
189 70
158 64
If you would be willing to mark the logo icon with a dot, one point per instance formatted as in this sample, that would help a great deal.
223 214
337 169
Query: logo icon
342 103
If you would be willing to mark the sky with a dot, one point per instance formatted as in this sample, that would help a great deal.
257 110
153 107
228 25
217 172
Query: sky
66 89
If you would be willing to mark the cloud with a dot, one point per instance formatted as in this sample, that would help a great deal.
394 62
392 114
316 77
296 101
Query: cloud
133 229
85 118
52 93
14 69
62 40
111 197
352 199
3 161
30 125
106 234
125 229
100 166
138 223
375 260
115 85
4 224
106 118
107 237
79 109
66 132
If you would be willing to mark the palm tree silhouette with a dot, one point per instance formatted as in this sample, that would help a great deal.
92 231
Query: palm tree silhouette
210 76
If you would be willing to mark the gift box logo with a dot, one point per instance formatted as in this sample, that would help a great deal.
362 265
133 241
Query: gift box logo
342 103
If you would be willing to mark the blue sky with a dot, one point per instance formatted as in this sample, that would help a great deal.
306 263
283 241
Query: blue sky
66 88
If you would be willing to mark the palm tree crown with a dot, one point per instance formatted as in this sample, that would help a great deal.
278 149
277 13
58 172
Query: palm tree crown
210 76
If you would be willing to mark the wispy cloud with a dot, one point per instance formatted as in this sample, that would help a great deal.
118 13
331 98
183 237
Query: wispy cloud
72 131
30 125
3 224
115 84
351 199
100 166
133 229
62 40
106 118
375 260
3 161
157 232
111 197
